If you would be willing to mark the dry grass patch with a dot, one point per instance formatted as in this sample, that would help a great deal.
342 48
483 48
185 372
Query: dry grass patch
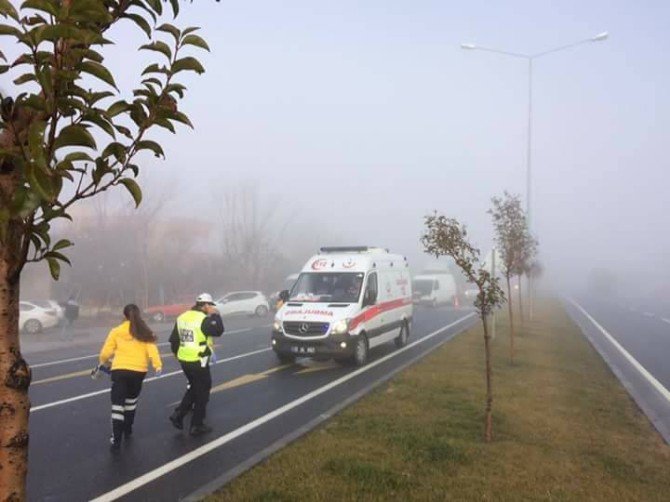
564 429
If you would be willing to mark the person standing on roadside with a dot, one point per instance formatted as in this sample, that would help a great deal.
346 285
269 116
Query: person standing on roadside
132 345
191 342
70 314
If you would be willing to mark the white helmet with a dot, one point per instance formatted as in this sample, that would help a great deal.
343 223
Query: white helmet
204 298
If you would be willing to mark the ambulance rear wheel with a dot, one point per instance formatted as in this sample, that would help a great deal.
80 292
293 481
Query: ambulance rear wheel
285 358
401 339
360 356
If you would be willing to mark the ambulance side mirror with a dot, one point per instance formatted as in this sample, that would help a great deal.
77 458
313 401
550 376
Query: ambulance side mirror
369 298
283 295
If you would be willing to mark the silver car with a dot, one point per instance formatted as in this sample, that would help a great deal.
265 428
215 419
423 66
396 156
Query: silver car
243 302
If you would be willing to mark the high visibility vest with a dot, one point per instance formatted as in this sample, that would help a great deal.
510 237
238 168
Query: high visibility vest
192 341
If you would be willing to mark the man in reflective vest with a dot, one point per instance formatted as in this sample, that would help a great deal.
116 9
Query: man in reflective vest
191 342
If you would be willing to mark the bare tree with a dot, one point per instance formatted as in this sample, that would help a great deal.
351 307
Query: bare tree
145 223
447 237
510 226
250 233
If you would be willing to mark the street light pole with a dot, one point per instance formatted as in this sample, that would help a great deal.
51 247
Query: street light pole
529 140
530 57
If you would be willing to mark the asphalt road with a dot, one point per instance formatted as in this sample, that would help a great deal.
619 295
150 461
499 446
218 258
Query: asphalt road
634 339
257 405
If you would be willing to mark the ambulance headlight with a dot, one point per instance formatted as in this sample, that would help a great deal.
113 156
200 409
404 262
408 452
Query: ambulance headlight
277 325
340 327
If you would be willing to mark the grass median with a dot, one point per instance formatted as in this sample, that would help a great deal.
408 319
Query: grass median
564 429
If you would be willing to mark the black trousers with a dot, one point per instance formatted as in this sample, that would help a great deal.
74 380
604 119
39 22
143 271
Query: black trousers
126 387
197 391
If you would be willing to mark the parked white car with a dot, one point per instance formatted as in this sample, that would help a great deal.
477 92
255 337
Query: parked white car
52 304
33 318
243 302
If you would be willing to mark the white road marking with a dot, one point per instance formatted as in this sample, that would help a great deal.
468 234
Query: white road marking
73 359
151 379
648 314
226 438
643 371
667 321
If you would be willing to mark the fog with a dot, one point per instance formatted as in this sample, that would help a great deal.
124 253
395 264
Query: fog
352 120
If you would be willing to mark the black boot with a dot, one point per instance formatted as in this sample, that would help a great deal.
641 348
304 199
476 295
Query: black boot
114 444
199 430
177 419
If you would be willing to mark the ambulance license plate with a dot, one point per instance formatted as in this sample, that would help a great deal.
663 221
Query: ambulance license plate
302 350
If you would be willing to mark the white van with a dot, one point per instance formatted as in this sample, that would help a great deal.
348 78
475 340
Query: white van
434 289
345 301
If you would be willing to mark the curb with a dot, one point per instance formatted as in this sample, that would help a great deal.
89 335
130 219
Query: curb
643 394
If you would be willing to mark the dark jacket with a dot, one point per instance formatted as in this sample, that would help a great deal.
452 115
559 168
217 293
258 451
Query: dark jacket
212 325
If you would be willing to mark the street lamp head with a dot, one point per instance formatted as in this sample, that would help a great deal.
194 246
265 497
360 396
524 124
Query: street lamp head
600 37
468 46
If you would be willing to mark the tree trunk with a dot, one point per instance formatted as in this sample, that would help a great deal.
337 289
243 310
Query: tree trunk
520 302
511 321
14 383
488 417
530 296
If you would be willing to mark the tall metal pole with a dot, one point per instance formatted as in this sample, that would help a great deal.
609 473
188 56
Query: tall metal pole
597 38
528 145
529 177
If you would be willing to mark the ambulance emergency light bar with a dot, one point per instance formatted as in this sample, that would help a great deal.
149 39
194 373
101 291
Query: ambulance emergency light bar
352 249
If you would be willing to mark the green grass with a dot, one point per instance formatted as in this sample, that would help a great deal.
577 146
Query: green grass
564 429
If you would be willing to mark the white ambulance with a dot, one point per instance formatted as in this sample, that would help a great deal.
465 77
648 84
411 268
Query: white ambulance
346 301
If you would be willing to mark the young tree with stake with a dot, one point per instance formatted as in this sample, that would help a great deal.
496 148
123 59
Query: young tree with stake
509 222
63 141
447 237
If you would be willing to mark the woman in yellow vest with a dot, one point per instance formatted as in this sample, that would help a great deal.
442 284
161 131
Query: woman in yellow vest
132 345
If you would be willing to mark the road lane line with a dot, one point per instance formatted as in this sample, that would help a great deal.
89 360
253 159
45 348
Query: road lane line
62 377
238 382
151 379
667 321
162 344
150 476
330 365
77 373
242 380
643 371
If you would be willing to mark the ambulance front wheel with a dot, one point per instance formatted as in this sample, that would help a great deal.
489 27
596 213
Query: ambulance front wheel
360 356
401 339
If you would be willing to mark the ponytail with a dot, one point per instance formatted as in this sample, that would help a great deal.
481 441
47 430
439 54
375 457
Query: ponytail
138 328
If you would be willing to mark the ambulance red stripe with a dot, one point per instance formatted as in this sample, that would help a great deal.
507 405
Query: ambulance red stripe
375 310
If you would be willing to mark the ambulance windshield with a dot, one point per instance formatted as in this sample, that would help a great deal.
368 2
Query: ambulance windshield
338 287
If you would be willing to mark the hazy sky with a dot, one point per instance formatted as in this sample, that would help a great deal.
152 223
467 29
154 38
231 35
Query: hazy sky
366 115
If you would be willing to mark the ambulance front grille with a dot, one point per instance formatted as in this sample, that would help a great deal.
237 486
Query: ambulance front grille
306 329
